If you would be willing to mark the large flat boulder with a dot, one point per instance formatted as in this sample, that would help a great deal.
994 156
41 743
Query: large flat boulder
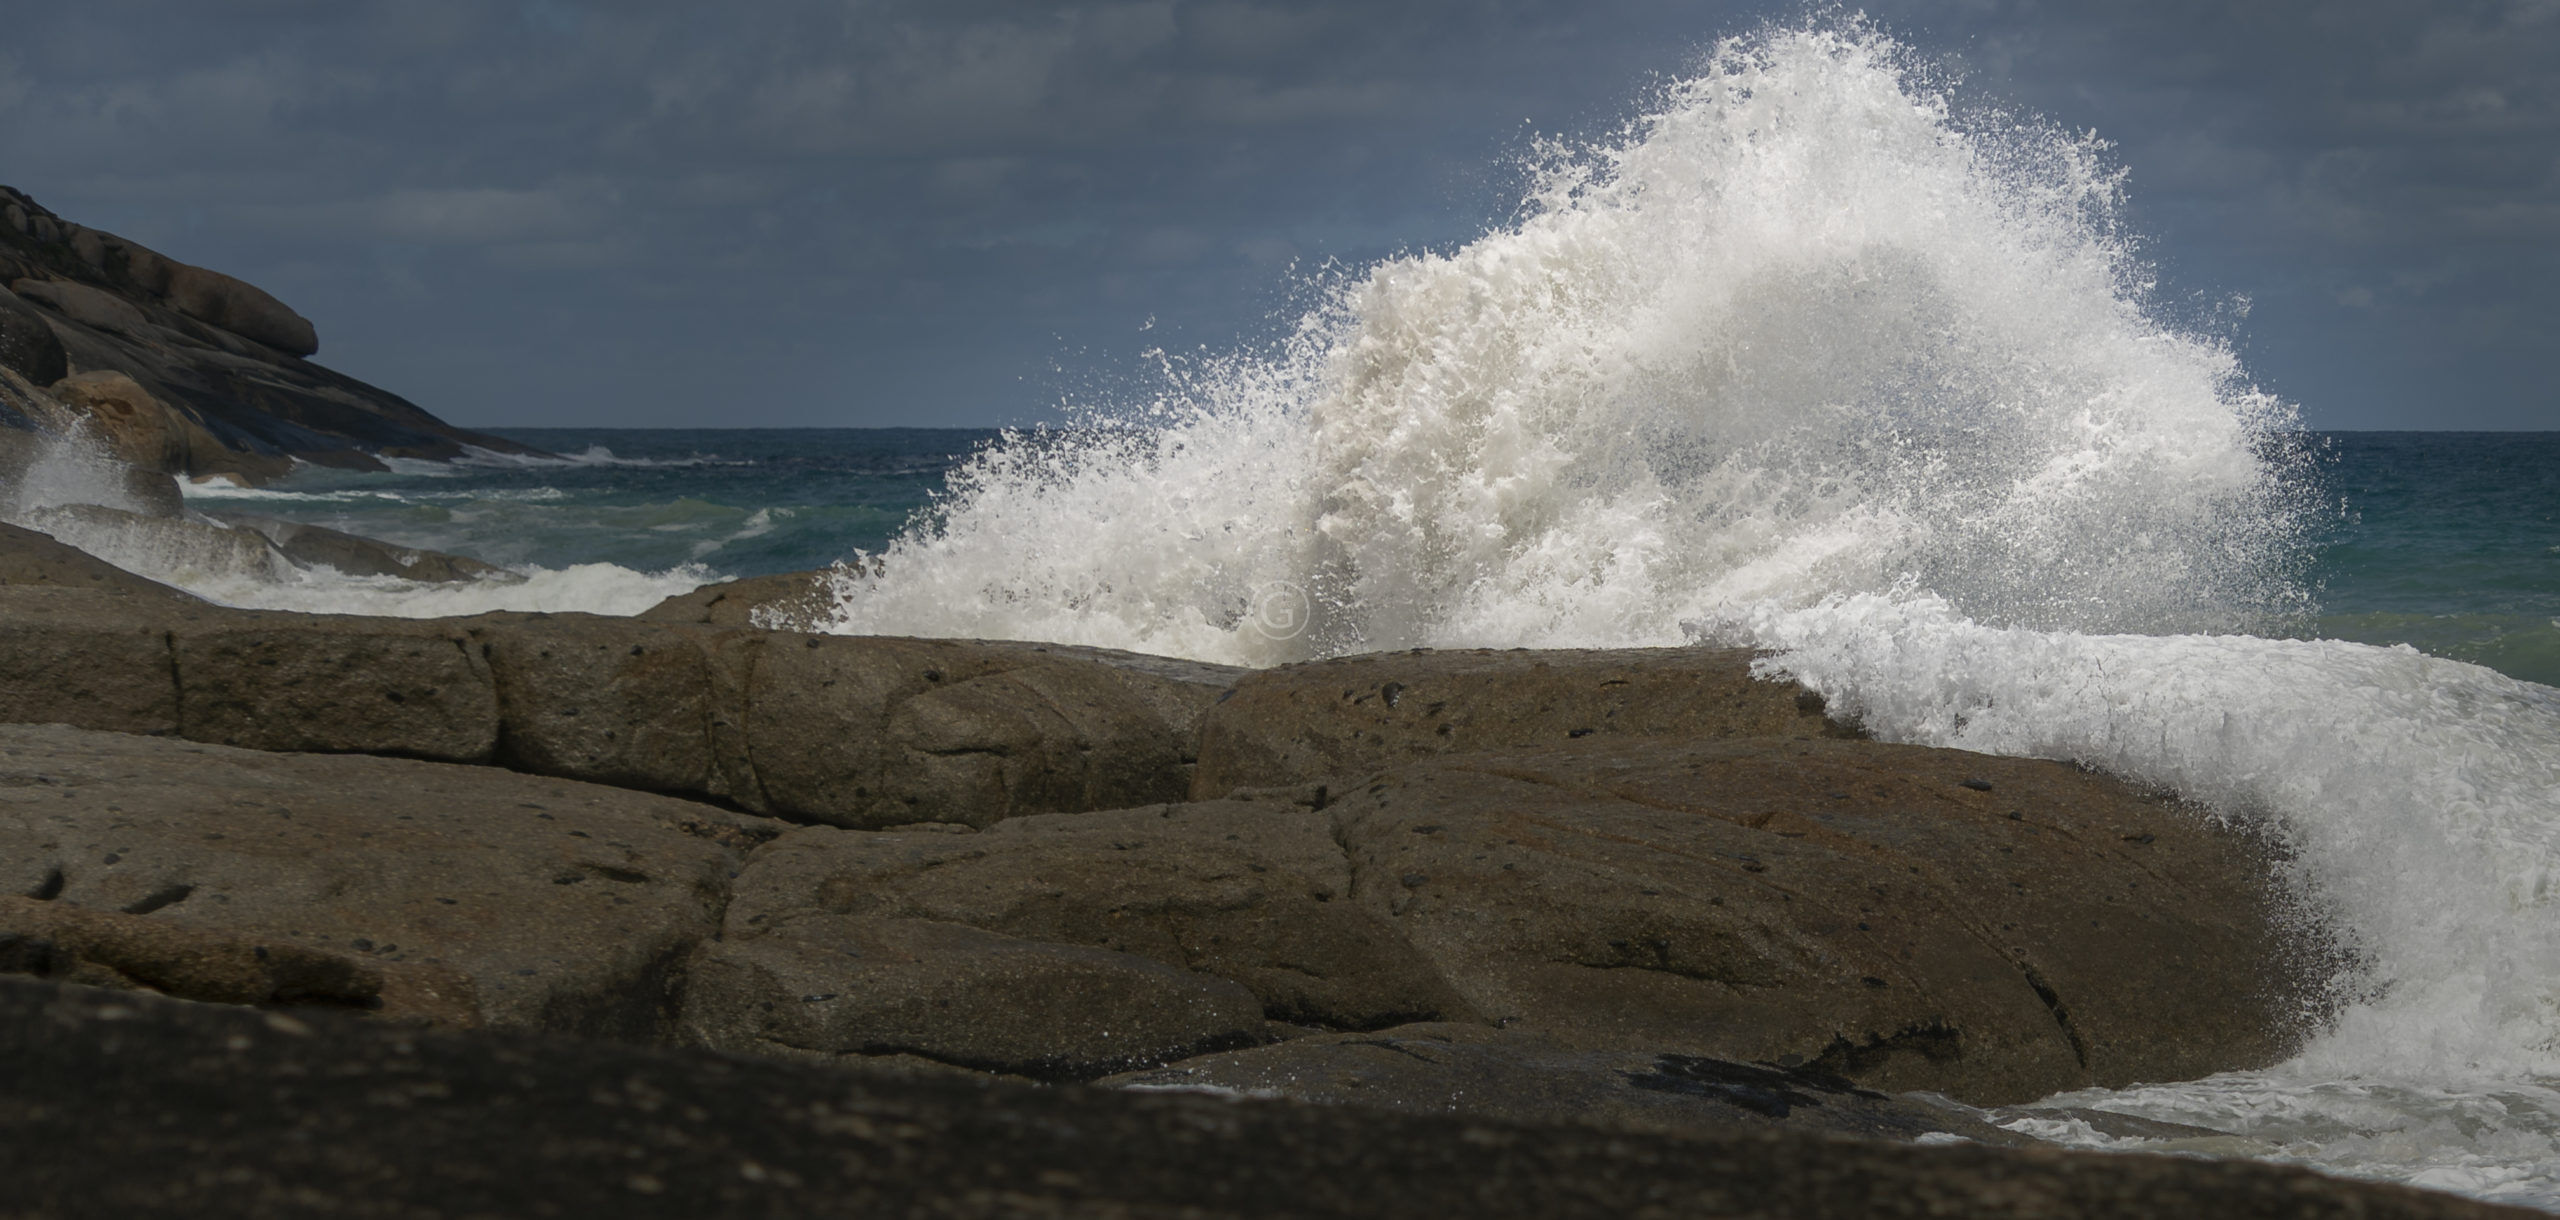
563 906
1995 929
1900 917
141 1108
1256 892
1345 718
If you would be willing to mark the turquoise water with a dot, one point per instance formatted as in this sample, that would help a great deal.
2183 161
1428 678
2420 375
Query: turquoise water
2448 542
732 502
2445 541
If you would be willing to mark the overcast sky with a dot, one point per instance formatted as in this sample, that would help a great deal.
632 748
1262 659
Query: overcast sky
866 212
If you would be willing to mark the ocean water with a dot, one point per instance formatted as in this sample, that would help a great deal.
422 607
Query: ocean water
1810 358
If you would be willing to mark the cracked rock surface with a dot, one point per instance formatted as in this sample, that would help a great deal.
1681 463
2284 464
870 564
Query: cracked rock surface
1909 918
366 883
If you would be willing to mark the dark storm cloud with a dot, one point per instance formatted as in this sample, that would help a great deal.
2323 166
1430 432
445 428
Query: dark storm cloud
2382 179
810 212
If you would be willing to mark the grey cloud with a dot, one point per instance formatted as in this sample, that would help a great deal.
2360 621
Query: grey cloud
512 210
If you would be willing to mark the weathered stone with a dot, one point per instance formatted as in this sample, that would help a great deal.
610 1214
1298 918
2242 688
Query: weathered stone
866 732
137 428
1254 892
1180 691
276 681
130 950
32 560
568 906
1031 738
137 540
833 985
612 701
243 309
145 1107
784 601
28 346
1996 929
829 729
80 654
86 305
311 545
147 434
1348 717
1478 1072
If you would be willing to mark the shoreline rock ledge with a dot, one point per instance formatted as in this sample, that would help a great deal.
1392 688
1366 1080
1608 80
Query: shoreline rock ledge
1578 922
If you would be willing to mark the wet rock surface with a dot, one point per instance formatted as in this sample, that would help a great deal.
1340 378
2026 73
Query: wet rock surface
32 560
130 1106
1905 918
1478 1071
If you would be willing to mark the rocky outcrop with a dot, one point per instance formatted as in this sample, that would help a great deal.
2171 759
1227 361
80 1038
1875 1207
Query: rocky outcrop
784 601
1867 911
1638 889
28 347
223 359
830 729
29 560
834 987
360 882
354 555
1346 717
1909 918
1716 875
127 1106
316 546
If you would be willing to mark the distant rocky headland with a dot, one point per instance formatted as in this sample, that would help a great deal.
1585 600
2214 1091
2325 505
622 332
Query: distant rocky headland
186 371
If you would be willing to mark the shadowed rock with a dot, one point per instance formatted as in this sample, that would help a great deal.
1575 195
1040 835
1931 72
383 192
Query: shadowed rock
826 986
1477 1072
136 1107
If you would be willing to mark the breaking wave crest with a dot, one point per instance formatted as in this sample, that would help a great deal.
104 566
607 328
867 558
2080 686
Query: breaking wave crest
1799 332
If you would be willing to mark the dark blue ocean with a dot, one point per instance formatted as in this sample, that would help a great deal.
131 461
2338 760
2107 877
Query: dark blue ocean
2445 541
